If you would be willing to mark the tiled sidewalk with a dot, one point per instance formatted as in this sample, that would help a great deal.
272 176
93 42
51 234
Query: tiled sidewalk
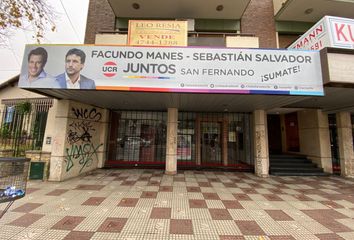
146 204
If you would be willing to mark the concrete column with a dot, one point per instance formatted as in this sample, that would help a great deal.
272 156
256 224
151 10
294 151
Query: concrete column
345 143
171 142
103 135
260 136
59 140
314 137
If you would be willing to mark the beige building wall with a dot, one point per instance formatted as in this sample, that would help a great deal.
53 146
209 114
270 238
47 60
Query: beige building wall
314 138
78 140
345 143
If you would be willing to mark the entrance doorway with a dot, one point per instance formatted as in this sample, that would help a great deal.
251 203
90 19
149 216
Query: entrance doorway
274 134
292 132
207 140
211 144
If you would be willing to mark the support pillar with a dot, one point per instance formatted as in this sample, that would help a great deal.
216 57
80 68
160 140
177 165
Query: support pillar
171 141
260 136
314 137
345 143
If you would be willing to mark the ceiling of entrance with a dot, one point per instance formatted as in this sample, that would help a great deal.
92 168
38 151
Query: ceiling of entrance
222 9
314 10
208 102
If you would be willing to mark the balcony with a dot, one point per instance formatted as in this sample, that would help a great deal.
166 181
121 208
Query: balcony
207 39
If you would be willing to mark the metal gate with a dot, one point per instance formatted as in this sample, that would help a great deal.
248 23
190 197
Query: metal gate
214 140
22 125
137 138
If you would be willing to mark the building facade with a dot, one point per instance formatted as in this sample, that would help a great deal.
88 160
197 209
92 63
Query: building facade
88 129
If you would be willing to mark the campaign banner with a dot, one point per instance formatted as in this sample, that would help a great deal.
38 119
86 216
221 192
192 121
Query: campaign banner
158 33
328 32
172 69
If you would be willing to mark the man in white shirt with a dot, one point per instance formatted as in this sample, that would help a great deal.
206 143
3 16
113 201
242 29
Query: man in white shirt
74 63
36 77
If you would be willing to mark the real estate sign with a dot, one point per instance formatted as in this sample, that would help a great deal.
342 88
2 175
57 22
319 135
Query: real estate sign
157 33
171 69
328 32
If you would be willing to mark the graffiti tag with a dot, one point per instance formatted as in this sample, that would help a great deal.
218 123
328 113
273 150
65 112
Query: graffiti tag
83 154
87 114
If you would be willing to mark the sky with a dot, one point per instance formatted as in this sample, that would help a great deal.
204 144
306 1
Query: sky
70 24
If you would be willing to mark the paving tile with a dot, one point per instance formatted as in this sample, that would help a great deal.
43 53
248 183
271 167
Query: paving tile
165 189
94 201
220 214
75 235
334 225
120 178
232 204
302 197
324 214
27 207
31 190
279 215
204 184
68 223
89 187
193 189
329 236
196 203
179 179
242 197
57 192
26 220
230 185
249 190
148 194
229 237
282 237
153 183
128 183
112 225
128 202
161 213
211 196
181 226
249 228
332 204
272 197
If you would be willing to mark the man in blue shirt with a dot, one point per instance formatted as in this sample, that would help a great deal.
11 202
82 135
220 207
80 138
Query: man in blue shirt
36 77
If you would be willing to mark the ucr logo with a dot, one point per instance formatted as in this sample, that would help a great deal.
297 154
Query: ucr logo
109 69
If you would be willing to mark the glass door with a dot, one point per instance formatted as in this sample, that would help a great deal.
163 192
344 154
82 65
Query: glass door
211 144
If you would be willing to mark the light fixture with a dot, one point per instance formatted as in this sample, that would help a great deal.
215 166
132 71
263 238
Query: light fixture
219 8
308 11
136 6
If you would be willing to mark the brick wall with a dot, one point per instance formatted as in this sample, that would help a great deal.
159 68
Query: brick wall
286 40
258 19
100 17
